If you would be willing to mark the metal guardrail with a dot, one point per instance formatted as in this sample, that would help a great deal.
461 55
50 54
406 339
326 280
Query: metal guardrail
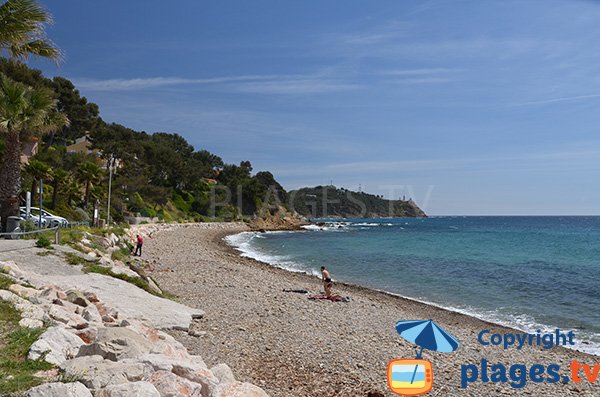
17 233
75 224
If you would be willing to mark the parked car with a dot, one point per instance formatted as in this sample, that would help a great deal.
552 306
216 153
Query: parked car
35 220
52 220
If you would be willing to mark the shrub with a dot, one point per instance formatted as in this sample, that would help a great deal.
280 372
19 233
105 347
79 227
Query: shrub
43 242
122 254
27 225
5 281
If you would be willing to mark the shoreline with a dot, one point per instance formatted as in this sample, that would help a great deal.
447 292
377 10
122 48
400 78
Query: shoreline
226 247
375 312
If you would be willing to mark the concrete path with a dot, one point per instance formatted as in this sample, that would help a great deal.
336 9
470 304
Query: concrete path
131 301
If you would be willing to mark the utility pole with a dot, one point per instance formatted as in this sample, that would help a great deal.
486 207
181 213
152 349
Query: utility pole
111 162
28 204
41 190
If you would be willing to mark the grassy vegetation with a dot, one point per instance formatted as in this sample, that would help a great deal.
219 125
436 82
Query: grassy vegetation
93 267
76 260
70 236
122 254
5 281
16 371
43 242
137 281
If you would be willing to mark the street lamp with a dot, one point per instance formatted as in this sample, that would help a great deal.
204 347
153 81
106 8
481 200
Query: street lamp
111 164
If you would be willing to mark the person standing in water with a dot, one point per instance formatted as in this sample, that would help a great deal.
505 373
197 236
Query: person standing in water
327 283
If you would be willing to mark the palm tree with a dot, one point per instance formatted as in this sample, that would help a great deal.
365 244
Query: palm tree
89 174
60 178
71 190
22 110
37 170
22 30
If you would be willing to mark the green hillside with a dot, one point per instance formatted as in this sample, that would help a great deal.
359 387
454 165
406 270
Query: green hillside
156 174
160 174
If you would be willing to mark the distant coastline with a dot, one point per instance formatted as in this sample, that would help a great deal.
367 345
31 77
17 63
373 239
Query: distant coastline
322 202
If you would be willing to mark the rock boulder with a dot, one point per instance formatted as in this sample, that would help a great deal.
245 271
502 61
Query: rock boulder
117 343
57 343
133 389
59 390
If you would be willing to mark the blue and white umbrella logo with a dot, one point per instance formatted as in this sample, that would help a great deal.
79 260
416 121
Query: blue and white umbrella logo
427 335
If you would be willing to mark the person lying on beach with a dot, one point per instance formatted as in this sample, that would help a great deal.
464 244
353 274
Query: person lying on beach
327 283
334 297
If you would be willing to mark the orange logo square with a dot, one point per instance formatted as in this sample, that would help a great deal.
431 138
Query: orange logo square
410 377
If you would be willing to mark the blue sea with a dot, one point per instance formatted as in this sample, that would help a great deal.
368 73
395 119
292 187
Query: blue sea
531 273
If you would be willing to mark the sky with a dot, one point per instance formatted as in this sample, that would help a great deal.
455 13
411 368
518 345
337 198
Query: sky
469 107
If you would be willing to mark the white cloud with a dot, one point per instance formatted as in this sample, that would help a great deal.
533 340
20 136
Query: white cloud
295 86
154 82
561 99
263 84
419 72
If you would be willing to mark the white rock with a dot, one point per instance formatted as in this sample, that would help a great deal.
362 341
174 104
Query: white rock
170 385
124 270
77 297
160 362
26 308
223 373
87 335
23 292
105 261
155 288
59 343
92 314
116 343
30 323
133 389
59 390
52 292
13 270
168 345
66 305
202 376
238 389
61 315
97 373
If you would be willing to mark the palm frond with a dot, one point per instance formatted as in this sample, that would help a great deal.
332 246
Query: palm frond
22 30
40 48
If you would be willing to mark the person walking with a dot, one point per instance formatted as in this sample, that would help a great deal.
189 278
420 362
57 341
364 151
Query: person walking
138 247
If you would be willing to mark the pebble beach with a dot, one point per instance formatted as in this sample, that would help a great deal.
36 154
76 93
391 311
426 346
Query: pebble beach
292 346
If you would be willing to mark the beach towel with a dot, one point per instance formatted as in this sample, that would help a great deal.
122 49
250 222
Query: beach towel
334 298
298 291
